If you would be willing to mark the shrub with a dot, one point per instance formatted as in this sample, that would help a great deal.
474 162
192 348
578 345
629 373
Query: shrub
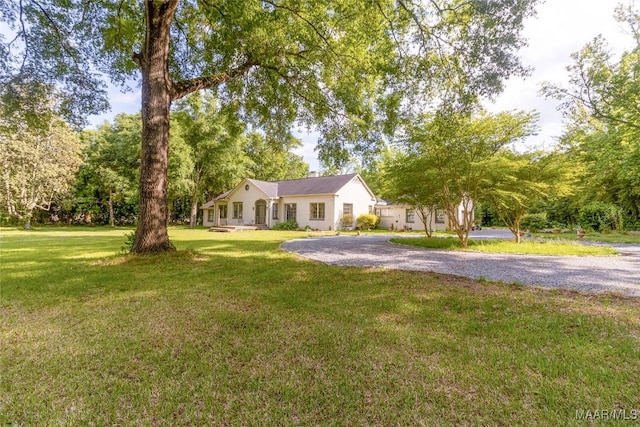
534 222
602 217
346 221
130 241
367 221
286 225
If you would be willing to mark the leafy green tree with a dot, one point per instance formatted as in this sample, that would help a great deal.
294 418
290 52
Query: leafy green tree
601 105
412 180
455 150
38 161
109 176
336 65
215 142
602 88
274 161
516 182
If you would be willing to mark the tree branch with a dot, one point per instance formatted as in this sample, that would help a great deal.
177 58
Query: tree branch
185 87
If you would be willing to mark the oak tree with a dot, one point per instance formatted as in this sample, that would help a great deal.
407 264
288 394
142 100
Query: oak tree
38 160
340 66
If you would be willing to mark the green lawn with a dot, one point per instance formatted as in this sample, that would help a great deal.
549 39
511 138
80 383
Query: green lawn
230 330
595 236
559 247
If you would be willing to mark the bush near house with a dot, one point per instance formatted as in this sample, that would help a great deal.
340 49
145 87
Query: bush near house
367 221
286 225
346 221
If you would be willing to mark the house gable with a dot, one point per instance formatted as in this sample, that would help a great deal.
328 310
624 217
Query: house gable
252 185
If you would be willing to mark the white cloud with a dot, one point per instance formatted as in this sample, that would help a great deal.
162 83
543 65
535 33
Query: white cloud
561 28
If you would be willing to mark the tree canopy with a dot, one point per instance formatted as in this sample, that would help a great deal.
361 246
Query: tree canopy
347 67
38 160
449 159
603 120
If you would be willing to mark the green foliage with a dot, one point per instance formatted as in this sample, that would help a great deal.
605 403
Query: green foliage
517 182
214 143
38 161
368 221
286 225
271 160
534 222
601 106
455 156
107 184
599 216
346 221
487 216
130 240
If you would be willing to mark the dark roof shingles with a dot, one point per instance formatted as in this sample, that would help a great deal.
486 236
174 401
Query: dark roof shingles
317 185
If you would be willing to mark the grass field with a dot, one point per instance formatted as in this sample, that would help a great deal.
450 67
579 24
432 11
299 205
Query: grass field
230 330
545 247
596 237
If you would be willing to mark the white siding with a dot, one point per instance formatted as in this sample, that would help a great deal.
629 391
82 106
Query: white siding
205 216
354 193
303 211
396 215
248 199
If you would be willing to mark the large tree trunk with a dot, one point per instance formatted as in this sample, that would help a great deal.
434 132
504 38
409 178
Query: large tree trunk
151 233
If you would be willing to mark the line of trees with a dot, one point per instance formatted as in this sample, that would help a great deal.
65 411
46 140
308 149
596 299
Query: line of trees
362 73
347 68
590 180
56 174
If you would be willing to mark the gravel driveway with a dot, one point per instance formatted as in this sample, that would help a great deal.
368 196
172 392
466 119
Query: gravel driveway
594 274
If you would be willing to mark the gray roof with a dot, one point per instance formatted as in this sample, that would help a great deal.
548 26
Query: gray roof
317 185
268 188
297 187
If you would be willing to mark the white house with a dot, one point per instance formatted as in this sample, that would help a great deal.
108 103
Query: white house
405 217
317 202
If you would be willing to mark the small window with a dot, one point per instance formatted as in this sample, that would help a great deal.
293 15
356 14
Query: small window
237 210
347 209
316 211
439 216
223 211
411 216
274 211
210 213
290 212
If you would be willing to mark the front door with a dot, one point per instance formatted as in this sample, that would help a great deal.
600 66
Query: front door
261 212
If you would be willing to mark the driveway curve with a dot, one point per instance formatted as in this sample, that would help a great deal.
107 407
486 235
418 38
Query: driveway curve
590 274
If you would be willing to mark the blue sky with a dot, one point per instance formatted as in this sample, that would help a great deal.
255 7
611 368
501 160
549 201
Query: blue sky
560 28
